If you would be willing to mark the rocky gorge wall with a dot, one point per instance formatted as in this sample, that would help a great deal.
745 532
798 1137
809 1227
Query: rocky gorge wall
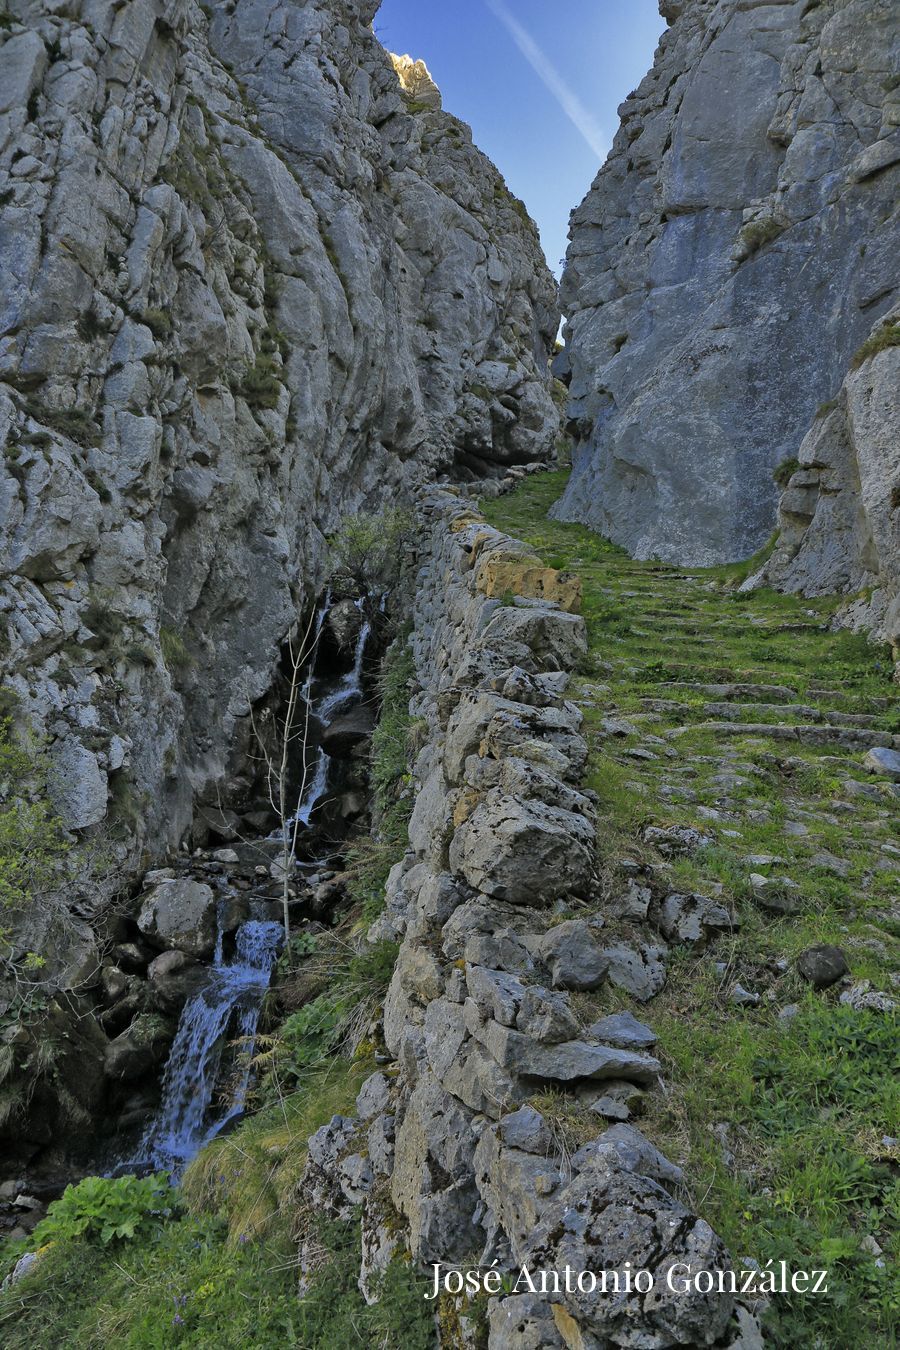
839 515
732 256
449 1156
249 285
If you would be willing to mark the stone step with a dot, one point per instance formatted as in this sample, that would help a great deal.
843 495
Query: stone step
872 701
857 719
687 627
763 626
735 712
866 738
734 691
665 705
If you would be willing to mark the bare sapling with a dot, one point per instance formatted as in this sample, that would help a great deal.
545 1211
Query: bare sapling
291 738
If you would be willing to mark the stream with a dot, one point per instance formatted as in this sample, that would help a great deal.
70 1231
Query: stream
228 1006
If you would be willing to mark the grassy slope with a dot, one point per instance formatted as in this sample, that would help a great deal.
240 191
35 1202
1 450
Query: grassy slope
805 1109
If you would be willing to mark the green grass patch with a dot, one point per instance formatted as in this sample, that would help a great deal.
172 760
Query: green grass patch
77 424
370 859
888 335
175 653
806 1107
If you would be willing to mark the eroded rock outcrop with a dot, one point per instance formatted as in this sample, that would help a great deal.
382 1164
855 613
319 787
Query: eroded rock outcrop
250 283
728 262
452 1154
839 515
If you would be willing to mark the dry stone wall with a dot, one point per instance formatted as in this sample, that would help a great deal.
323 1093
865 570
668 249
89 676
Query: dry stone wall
448 1155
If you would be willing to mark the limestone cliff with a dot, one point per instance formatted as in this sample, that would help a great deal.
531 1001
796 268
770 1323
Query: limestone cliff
839 515
729 260
247 284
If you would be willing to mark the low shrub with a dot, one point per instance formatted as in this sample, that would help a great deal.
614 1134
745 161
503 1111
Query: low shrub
108 1209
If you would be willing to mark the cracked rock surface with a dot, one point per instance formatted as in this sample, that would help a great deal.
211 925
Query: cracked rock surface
729 260
248 284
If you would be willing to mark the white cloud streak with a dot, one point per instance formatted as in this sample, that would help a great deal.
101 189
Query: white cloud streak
580 116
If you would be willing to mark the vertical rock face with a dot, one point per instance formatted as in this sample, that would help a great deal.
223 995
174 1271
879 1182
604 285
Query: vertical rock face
731 257
839 516
247 284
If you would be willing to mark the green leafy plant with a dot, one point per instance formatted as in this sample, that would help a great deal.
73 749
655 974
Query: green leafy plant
369 550
337 1018
108 1209
33 843
309 1034
371 857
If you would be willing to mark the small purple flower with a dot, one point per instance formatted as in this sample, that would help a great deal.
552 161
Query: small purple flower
243 1239
178 1320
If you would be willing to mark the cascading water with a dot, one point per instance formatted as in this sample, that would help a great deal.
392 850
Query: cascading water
230 1002
348 689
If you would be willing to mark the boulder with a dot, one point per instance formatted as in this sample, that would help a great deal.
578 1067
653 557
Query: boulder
573 955
556 639
114 982
140 1048
617 1101
345 618
218 821
884 761
523 852
179 913
342 736
374 1097
609 1214
502 573
525 1129
676 841
823 966
638 970
174 977
131 956
563 1063
622 1029
523 1322
78 786
693 919
432 1182
629 1149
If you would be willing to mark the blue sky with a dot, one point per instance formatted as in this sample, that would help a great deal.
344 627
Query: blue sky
547 132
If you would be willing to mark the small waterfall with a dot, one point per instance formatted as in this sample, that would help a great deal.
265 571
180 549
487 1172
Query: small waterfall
315 791
347 691
350 685
235 991
229 1004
